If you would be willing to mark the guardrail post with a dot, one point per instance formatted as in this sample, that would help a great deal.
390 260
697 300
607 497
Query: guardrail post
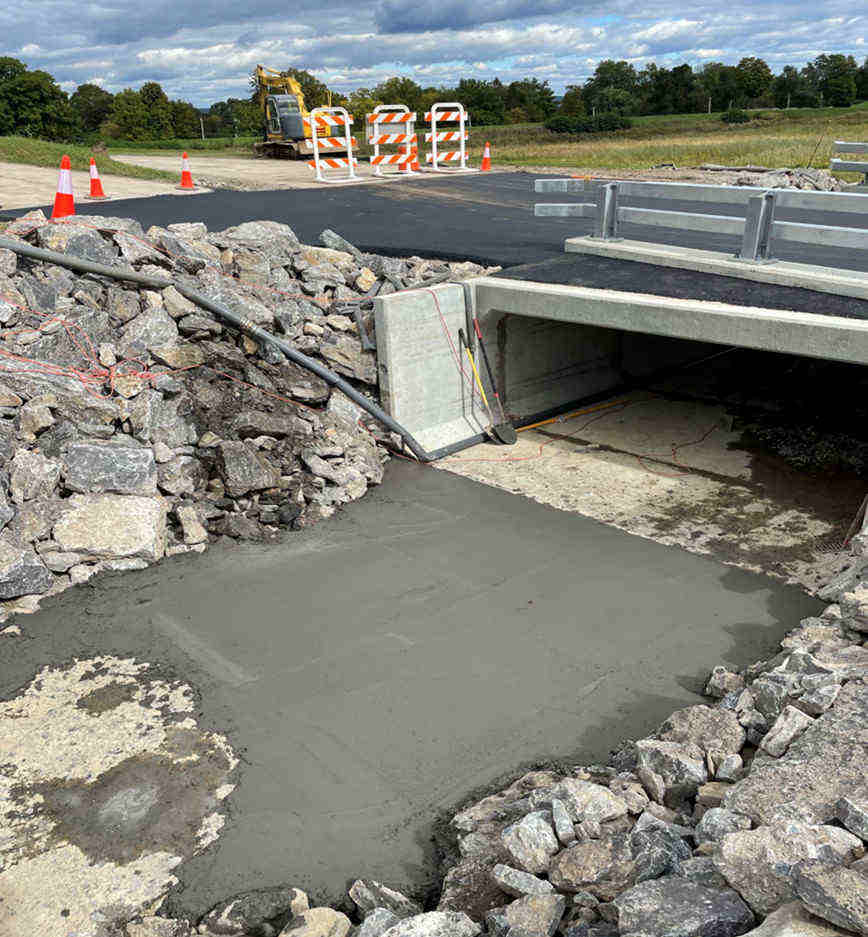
606 224
756 242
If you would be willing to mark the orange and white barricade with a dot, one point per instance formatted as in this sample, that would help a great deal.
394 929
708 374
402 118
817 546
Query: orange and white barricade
447 158
323 123
393 125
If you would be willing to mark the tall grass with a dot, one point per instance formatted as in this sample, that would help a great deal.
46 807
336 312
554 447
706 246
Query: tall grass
43 153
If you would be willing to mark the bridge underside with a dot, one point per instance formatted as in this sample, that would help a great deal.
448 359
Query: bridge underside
558 332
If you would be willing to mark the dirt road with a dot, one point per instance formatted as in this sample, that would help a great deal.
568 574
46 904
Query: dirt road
22 186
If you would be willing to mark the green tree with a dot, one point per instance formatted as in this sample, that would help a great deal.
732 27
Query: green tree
399 91
616 101
10 68
33 105
573 102
719 83
753 78
532 97
611 74
90 105
362 101
484 100
316 93
159 111
836 76
185 119
793 89
862 82
129 117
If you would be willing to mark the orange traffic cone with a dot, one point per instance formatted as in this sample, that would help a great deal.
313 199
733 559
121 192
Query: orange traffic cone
64 203
486 158
96 191
186 175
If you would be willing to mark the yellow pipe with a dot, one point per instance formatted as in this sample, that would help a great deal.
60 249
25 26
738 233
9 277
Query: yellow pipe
476 375
569 416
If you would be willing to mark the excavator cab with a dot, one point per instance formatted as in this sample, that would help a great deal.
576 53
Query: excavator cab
283 118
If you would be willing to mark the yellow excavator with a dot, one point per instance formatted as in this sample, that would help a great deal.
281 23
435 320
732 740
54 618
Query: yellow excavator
284 115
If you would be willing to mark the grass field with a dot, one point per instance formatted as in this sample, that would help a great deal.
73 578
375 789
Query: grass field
42 153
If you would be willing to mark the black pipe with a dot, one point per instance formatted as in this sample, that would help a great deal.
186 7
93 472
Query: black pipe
245 325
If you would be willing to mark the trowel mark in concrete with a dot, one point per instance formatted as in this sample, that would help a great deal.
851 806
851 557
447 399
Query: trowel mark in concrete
107 784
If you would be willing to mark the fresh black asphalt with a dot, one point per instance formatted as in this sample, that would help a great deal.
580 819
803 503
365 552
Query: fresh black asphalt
486 217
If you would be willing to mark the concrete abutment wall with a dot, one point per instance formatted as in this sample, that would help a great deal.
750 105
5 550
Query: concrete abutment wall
551 345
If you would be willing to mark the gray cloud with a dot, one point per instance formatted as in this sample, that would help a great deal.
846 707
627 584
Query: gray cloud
398 16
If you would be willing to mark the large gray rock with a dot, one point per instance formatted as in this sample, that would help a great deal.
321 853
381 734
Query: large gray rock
759 863
346 356
792 920
709 728
835 893
99 467
601 866
787 727
519 884
823 764
254 912
718 822
113 526
368 894
32 476
152 328
681 765
435 924
583 800
674 907
252 423
318 922
243 469
376 923
21 571
852 811
532 916
150 926
531 842
77 240
469 887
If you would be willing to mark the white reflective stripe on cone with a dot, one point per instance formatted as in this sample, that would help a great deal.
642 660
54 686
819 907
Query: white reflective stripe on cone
64 183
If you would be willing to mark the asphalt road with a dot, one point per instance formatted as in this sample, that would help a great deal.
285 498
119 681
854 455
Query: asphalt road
483 217
375 670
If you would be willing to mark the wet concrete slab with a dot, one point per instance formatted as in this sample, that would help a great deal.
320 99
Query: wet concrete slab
374 671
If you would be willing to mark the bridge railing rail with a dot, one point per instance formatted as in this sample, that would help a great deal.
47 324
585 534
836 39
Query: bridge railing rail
757 226
850 165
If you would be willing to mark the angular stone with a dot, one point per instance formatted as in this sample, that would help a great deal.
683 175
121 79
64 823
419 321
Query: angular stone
242 469
59 562
435 924
730 768
194 531
252 423
347 357
369 894
32 476
181 475
250 912
702 871
600 866
823 764
318 922
718 822
77 240
177 305
99 467
787 727
519 884
138 251
153 329
820 700
21 571
680 765
531 916
758 863
583 800
113 525
180 357
709 728
854 609
852 811
792 920
562 823
470 888
531 842
376 923
834 893
158 927
674 907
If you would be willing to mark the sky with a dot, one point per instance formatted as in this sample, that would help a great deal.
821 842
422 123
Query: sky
204 52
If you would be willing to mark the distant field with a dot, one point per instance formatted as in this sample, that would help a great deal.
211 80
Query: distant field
42 153
772 138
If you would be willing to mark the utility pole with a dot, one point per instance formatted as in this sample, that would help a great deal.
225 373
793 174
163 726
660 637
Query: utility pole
709 104
788 100
202 125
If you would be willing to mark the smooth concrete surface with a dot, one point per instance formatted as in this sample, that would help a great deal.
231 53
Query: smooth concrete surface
376 670
425 377
778 272
799 333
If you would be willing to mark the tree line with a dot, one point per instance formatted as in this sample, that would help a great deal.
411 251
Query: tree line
33 104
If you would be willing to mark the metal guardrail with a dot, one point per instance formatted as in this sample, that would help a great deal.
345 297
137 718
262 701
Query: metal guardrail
757 228
846 165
